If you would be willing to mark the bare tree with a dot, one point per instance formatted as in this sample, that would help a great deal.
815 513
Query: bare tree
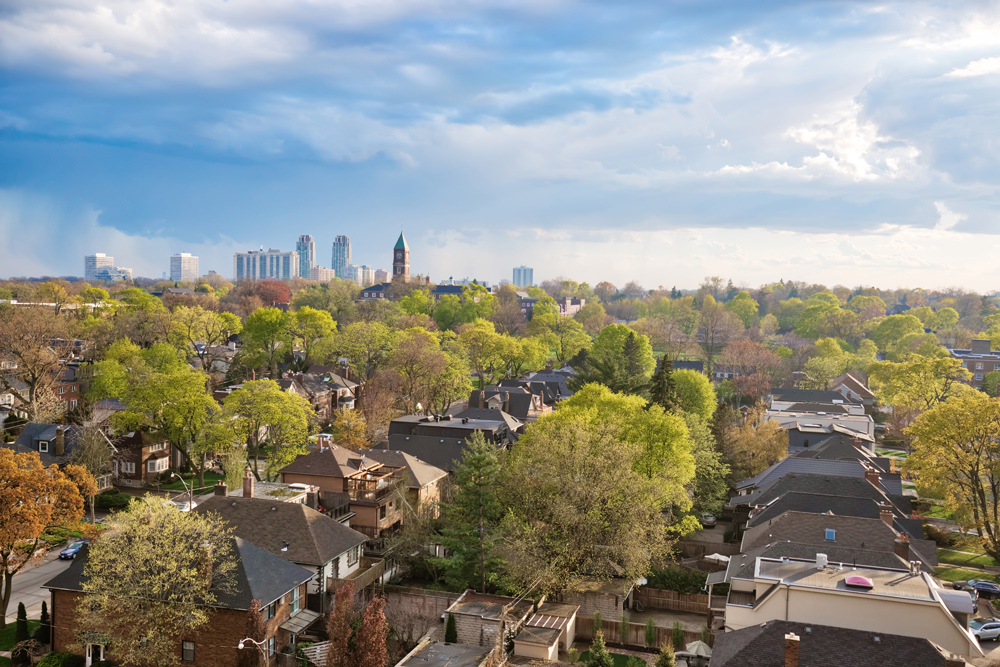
34 346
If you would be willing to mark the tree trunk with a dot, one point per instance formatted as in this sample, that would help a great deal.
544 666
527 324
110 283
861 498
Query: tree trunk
8 577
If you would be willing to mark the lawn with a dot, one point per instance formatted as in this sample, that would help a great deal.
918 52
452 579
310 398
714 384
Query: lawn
958 574
620 660
7 634
210 479
939 512
965 560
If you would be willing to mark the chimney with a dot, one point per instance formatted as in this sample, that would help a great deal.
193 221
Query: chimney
955 661
871 474
885 513
506 401
791 650
482 399
221 489
856 441
60 445
901 546
247 484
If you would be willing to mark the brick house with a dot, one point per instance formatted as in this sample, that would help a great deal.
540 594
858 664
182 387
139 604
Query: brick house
66 388
54 443
356 481
424 484
299 534
279 585
142 458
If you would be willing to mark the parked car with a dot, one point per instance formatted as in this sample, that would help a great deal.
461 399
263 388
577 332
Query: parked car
708 520
69 553
985 629
984 589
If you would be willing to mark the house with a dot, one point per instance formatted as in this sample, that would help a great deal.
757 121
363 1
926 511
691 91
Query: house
551 626
479 617
782 397
379 291
780 643
517 401
66 388
568 307
891 482
329 550
979 360
440 452
742 566
688 365
853 390
891 601
556 379
279 585
496 426
369 488
142 458
819 503
54 443
424 482
841 447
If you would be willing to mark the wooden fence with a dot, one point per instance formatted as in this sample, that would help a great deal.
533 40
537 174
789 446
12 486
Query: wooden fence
636 633
654 598
697 548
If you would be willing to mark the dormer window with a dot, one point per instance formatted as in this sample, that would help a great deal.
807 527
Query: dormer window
43 446
831 535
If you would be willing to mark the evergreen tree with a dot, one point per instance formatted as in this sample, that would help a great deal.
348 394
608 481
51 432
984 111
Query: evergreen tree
472 518
44 632
21 629
662 388
599 655
450 631
650 632
666 658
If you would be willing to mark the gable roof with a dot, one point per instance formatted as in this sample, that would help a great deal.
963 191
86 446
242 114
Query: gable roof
305 535
421 473
519 400
490 414
817 503
439 452
35 431
825 484
763 645
891 482
332 461
853 384
838 447
259 575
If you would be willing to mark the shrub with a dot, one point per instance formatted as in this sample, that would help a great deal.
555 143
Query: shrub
677 634
623 628
598 622
451 631
666 658
112 499
62 660
943 538
21 654
650 632
599 655
677 579
44 631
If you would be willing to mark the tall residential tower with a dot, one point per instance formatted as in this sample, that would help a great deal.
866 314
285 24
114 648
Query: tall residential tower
183 267
96 263
306 248
341 263
524 276
263 265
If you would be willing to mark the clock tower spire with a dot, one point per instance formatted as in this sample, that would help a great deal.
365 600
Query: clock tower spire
401 259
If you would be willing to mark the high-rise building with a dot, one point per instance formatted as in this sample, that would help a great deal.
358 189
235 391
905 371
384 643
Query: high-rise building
184 267
92 264
401 259
322 274
262 265
306 248
341 262
524 276
367 275
116 274
381 276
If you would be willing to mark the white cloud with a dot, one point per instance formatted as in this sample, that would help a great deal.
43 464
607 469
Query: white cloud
947 218
980 67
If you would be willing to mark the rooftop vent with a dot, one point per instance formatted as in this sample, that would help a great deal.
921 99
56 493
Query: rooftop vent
821 561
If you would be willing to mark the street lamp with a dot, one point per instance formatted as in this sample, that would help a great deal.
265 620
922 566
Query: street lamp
189 492
262 645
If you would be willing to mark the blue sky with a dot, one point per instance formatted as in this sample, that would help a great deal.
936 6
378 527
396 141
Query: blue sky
834 142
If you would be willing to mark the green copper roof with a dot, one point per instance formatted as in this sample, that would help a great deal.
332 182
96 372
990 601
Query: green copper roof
401 244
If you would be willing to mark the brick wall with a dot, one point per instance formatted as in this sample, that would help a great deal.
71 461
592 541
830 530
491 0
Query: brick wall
610 606
475 630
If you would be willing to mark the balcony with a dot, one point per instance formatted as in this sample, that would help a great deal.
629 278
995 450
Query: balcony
374 484
368 572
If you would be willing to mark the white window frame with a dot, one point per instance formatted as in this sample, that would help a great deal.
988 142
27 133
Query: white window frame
270 611
43 446
979 376
157 465
72 404
831 535
62 390
184 649
979 365
295 601
158 447
270 647
128 467
352 555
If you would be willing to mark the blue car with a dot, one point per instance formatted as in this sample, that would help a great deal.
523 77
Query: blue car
69 553
984 589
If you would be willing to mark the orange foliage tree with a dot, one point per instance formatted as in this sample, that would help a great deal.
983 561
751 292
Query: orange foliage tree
33 500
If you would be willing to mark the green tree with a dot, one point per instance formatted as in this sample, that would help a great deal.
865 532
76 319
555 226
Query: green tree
349 429
918 382
945 319
752 443
203 333
472 518
745 307
619 359
367 346
599 655
956 449
94 295
544 316
695 393
482 344
450 631
159 573
568 338
21 625
447 312
991 384
666 657
650 632
417 302
709 489
267 338
94 453
716 328
662 387
893 328
44 631
313 333
416 357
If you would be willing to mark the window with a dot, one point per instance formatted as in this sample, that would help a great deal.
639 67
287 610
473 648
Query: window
295 600
805 443
831 535
62 390
160 446
979 376
381 512
72 404
128 467
270 647
72 389
965 364
187 651
270 610
979 365
157 465
352 555
43 445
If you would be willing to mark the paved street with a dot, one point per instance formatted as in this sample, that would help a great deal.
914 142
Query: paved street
27 585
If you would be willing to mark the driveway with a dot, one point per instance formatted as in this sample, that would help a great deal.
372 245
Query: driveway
26 586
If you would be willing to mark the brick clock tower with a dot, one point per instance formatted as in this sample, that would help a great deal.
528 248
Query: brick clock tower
401 259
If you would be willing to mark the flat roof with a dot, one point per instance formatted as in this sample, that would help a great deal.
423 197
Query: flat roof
489 607
436 654
558 609
897 583
536 635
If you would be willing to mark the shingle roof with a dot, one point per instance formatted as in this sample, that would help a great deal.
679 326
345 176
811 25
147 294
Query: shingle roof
807 395
259 575
421 472
741 566
829 408
489 414
825 484
309 537
35 431
816 503
821 646
838 447
331 461
854 384
439 452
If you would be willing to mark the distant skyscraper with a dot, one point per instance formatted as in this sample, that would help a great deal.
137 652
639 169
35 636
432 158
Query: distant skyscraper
93 264
306 248
321 274
184 267
381 276
341 263
524 276
401 259
262 265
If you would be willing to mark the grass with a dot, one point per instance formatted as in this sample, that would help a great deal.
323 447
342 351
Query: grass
620 660
965 560
970 543
7 634
958 574
939 512
5 662
210 479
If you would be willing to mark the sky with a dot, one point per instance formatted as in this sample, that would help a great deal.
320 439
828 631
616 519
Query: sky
849 143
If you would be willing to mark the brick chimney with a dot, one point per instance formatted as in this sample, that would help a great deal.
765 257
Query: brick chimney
482 399
247 484
506 401
871 474
60 444
221 489
791 650
856 441
901 546
885 513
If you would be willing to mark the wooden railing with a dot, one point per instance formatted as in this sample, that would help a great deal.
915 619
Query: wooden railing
368 572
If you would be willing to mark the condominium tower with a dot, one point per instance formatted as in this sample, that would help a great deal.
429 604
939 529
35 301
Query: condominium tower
262 265
524 276
94 264
306 249
184 267
341 263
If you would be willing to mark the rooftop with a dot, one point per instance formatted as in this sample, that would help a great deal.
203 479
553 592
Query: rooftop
489 607
436 654
894 583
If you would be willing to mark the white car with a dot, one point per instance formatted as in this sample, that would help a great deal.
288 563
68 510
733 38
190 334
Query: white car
986 630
